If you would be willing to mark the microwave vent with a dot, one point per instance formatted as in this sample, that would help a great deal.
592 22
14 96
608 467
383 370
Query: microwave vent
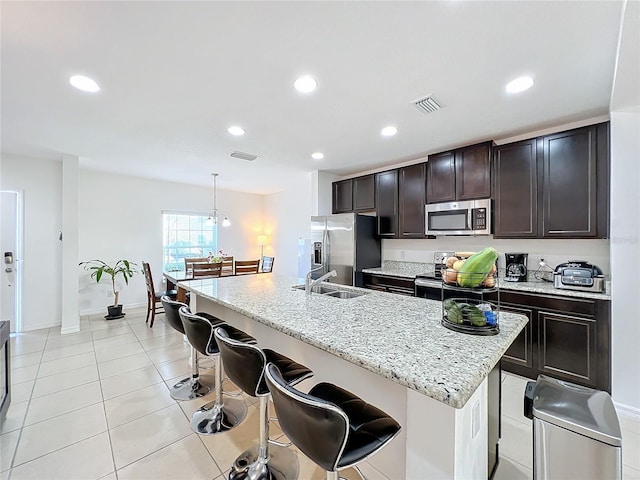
244 156
426 104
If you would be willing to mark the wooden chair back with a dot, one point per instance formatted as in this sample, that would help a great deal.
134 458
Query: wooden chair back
267 264
188 264
247 266
148 279
207 269
227 265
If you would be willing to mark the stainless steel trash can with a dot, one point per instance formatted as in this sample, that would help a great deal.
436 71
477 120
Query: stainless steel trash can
576 433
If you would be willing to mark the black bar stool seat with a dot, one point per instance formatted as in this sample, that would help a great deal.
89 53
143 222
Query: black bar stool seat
245 365
217 416
333 427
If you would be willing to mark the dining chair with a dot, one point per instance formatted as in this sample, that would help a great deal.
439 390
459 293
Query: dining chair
267 264
247 266
188 264
154 303
207 269
227 266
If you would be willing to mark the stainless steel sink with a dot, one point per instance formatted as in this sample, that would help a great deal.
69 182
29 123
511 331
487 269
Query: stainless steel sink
332 291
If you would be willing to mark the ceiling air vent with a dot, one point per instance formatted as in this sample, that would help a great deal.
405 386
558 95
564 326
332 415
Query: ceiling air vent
426 104
244 156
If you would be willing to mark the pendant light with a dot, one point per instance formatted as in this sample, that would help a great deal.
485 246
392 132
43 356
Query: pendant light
213 217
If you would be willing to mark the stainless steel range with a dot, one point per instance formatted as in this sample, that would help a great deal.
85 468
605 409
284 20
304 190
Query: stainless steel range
429 285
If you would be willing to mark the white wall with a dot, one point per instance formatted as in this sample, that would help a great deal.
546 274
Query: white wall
287 218
40 183
128 225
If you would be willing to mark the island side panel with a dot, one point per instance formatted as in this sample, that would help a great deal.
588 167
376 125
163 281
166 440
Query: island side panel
444 442
384 394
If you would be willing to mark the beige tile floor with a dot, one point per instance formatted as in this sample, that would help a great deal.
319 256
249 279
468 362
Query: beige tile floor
96 405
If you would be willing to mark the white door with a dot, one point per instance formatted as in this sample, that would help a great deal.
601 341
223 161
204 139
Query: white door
9 261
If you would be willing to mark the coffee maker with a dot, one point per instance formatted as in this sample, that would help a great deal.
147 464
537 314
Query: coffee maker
516 267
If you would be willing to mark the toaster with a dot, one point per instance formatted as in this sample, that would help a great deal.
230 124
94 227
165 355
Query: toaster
578 275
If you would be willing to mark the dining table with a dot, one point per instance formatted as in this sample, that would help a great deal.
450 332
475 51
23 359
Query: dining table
173 277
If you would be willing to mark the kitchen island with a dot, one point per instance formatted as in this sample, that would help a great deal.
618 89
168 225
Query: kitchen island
389 349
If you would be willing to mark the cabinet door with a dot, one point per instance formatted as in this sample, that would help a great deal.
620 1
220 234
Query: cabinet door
387 203
569 184
521 350
441 178
411 198
516 190
343 196
364 193
567 347
473 172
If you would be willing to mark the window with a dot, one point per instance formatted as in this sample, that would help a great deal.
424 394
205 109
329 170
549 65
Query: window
186 235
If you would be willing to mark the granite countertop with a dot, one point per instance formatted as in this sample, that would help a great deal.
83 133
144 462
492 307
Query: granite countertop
412 269
397 337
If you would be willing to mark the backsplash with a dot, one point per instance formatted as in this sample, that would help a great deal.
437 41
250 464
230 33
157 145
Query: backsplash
553 251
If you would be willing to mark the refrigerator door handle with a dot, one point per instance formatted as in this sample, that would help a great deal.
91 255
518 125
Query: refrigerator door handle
325 248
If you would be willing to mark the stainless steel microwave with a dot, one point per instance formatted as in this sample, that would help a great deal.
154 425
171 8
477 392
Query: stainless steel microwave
469 217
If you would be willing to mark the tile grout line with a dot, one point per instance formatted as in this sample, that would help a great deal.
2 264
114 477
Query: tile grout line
104 411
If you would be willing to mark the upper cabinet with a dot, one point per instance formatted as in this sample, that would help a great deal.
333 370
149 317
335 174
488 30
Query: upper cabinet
461 174
411 199
555 186
364 193
387 203
515 175
572 172
342 196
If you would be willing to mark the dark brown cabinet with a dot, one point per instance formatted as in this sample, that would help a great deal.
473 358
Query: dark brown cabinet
342 196
364 193
386 283
570 183
556 186
411 200
566 337
441 178
387 203
515 175
461 174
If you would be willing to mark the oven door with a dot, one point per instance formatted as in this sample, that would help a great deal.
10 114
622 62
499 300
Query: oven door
451 218
429 289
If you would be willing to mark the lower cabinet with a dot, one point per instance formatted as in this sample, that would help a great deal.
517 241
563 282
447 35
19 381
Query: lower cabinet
566 338
387 283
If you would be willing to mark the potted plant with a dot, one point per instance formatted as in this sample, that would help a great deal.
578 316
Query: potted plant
124 268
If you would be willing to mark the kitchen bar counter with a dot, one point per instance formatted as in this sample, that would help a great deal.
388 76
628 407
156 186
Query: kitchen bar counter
441 386
397 337
411 270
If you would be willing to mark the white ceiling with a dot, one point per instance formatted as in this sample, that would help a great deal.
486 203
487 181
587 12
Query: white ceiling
175 75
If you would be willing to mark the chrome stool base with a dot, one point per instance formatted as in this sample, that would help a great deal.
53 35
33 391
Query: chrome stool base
215 417
282 464
187 389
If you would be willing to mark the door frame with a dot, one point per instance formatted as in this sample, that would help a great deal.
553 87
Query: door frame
18 261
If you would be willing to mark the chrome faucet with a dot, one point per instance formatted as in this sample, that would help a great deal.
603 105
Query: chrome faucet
309 284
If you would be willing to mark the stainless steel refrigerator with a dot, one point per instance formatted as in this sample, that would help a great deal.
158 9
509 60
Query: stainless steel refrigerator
346 243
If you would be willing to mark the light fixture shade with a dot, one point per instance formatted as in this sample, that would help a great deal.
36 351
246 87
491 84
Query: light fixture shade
262 239
226 222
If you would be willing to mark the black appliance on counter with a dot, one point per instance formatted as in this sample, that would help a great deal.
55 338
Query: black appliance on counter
578 275
516 267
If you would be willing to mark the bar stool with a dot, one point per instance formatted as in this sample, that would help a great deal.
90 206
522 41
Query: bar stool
245 365
333 427
190 387
216 416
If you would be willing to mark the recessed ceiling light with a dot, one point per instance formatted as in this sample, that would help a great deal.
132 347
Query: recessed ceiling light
389 131
83 83
235 130
520 84
305 84
317 155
